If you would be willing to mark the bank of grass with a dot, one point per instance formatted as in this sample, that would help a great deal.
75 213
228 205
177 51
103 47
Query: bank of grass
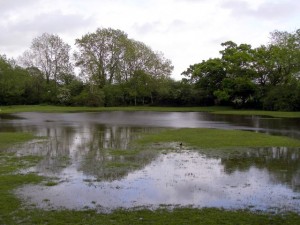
51 108
275 114
211 109
12 210
218 138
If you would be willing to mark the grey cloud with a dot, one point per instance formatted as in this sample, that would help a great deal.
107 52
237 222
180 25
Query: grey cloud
7 6
17 34
54 22
158 27
147 27
267 10
194 1
177 25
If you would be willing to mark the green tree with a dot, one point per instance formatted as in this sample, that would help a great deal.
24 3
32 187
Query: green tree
108 56
13 80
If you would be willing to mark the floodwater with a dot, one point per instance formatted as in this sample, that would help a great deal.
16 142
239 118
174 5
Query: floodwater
84 173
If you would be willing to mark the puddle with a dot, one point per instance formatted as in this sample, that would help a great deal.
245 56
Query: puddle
184 178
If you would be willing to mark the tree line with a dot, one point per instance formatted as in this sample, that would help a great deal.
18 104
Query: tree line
266 77
114 70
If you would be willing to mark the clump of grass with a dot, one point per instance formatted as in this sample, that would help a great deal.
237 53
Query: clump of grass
122 152
9 138
217 138
51 183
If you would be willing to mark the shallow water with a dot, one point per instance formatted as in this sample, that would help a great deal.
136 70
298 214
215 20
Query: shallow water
182 178
79 157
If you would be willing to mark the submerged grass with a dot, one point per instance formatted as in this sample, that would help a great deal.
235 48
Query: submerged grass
217 138
12 211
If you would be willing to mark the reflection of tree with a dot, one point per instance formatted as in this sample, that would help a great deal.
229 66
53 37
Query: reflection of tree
282 163
90 148
275 126
104 165
109 156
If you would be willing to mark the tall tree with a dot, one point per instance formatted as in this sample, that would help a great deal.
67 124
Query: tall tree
50 54
108 56
100 54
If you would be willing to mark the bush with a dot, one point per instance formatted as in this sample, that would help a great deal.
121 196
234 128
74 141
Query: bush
283 98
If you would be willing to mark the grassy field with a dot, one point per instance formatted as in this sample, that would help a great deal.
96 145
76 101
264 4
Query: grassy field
217 138
213 109
49 108
276 114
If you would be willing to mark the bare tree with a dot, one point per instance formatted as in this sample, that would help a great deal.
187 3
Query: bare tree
50 55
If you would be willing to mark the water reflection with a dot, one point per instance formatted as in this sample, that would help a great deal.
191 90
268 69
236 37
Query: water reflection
87 148
283 164
83 152
184 178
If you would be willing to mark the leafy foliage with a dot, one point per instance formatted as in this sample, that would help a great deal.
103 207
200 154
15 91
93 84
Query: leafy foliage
265 77
115 70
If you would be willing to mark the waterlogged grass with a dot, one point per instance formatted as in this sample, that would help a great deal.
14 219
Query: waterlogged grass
9 180
12 211
158 217
217 138
9 138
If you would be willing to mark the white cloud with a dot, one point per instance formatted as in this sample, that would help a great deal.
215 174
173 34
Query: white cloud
186 31
268 10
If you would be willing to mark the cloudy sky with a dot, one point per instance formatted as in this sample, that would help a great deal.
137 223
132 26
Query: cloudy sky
186 31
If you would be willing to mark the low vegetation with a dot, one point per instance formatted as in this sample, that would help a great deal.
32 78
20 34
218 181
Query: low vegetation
52 108
217 138
9 138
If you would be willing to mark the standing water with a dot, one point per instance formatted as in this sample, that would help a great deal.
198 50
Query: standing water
81 162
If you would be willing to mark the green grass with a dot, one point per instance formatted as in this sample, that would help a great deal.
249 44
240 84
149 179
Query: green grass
217 138
9 138
157 217
276 114
49 108
212 109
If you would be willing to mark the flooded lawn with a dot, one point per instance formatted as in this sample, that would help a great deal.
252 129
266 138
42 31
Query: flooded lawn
90 163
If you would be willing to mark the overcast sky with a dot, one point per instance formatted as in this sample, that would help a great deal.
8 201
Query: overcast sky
186 31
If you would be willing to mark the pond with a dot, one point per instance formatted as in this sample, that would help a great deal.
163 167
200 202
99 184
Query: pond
85 171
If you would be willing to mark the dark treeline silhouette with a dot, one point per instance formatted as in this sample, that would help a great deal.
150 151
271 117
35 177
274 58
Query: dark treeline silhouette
113 70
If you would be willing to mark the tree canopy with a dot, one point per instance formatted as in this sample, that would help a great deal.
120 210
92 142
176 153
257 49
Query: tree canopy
113 70
263 77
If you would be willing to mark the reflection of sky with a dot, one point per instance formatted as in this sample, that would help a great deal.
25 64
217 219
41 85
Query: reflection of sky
184 179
